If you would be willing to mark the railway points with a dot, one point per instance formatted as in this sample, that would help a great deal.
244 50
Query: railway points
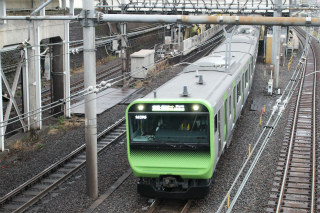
180 42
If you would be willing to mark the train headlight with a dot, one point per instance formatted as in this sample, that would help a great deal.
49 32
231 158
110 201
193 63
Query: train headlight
195 107
140 107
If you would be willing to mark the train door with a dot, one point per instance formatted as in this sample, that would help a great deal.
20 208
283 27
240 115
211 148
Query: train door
221 130
250 75
226 119
238 105
242 85
230 113
234 104
217 127
247 78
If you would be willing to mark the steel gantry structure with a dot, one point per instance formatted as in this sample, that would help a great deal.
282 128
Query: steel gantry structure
89 17
205 6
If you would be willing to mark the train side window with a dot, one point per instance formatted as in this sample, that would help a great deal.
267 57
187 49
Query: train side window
230 111
247 78
243 84
226 118
219 125
234 103
238 92
216 123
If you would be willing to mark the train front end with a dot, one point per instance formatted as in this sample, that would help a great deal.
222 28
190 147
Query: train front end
170 147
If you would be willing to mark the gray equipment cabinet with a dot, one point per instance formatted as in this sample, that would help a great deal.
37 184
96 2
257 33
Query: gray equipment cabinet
141 62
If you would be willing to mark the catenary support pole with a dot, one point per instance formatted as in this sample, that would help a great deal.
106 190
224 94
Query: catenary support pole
124 56
71 8
3 11
64 4
179 39
276 45
66 65
25 88
1 112
35 77
89 56
172 33
57 73
164 33
43 10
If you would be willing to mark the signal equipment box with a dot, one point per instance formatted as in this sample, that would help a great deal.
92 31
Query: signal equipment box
141 62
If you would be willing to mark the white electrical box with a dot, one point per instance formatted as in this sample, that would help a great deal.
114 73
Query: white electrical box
167 40
115 45
141 62
270 86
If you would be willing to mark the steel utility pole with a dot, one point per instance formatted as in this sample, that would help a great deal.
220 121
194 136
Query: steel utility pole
179 39
89 56
276 44
124 44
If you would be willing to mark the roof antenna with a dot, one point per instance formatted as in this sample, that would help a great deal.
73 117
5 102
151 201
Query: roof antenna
185 91
201 80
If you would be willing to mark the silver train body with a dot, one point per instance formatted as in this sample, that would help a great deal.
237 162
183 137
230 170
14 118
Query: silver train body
176 137
225 89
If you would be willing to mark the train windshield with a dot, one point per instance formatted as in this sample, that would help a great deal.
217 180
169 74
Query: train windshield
184 130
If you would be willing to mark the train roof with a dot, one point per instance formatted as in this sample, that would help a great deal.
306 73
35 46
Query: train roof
212 68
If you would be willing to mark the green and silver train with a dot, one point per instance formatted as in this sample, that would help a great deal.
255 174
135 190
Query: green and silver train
176 135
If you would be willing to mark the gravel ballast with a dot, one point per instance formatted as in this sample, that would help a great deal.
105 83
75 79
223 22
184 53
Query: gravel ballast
71 196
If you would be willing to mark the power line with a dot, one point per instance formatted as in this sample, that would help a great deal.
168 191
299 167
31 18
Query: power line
92 89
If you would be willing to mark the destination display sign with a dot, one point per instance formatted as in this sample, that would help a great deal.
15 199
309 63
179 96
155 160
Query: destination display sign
168 107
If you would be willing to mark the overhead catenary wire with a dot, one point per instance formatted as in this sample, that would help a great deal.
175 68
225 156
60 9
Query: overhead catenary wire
52 115
62 101
45 107
93 89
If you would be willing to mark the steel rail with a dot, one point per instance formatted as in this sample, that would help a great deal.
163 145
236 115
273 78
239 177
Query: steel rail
292 138
290 144
288 91
255 161
78 85
159 204
55 167
314 141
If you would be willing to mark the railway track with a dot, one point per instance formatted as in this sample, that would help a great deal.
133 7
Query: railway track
111 72
78 85
172 206
40 185
28 193
294 187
